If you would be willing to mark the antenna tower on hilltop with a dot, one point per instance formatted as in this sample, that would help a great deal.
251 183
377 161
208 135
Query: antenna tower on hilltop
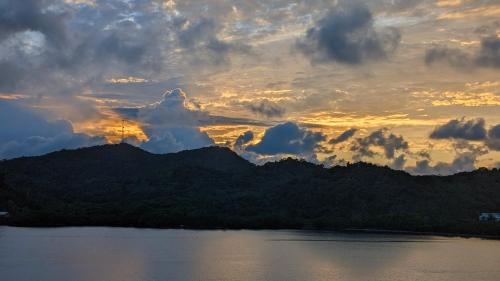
123 131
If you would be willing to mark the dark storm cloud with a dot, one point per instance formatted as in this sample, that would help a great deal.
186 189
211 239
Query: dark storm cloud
347 35
31 15
24 132
267 108
382 138
344 136
473 130
287 138
488 55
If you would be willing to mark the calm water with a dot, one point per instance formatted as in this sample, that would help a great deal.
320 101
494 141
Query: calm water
120 254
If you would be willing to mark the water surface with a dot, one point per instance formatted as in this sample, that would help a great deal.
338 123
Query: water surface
123 254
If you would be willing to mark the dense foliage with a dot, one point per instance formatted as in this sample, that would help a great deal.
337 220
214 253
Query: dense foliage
121 185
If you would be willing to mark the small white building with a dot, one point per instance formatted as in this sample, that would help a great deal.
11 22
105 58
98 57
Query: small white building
489 217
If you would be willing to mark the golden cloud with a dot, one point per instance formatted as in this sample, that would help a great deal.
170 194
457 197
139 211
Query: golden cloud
468 99
488 11
448 3
110 126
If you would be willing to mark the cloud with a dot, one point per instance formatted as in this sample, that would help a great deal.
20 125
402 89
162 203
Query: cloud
171 126
347 35
52 42
243 139
344 136
464 161
382 138
493 141
333 160
267 108
59 48
170 111
24 132
30 15
175 139
200 39
487 56
288 138
489 29
398 163
453 57
494 132
473 130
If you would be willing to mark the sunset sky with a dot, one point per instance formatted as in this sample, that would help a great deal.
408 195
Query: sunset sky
412 84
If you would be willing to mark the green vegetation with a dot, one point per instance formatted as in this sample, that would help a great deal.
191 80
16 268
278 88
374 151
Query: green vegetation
120 185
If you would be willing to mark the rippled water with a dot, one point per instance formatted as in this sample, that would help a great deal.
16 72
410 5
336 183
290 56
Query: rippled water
122 254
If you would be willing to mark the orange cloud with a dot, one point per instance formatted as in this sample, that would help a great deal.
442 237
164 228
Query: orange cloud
449 3
110 126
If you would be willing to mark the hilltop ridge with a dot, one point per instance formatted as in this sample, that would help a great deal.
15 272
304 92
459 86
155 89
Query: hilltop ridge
213 187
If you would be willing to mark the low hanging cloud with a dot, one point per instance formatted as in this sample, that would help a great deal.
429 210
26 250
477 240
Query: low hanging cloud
243 139
288 138
344 136
464 161
398 163
266 108
171 126
381 138
347 35
473 130
24 132
488 55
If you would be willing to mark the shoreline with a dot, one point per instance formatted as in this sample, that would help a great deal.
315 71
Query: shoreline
421 233
346 230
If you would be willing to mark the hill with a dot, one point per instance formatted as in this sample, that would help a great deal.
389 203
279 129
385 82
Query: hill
121 185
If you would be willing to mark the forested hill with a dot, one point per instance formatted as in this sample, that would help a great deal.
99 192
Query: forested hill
121 185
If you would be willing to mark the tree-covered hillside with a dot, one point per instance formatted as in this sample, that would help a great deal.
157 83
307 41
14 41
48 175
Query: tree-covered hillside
213 187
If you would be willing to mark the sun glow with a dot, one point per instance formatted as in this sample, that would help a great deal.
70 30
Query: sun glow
110 126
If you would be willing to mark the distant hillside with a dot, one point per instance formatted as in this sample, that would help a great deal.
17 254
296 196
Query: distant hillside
213 187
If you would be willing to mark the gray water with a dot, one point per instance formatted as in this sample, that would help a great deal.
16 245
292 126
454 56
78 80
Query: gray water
123 254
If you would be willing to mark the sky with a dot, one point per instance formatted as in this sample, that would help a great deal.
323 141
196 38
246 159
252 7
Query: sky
411 84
